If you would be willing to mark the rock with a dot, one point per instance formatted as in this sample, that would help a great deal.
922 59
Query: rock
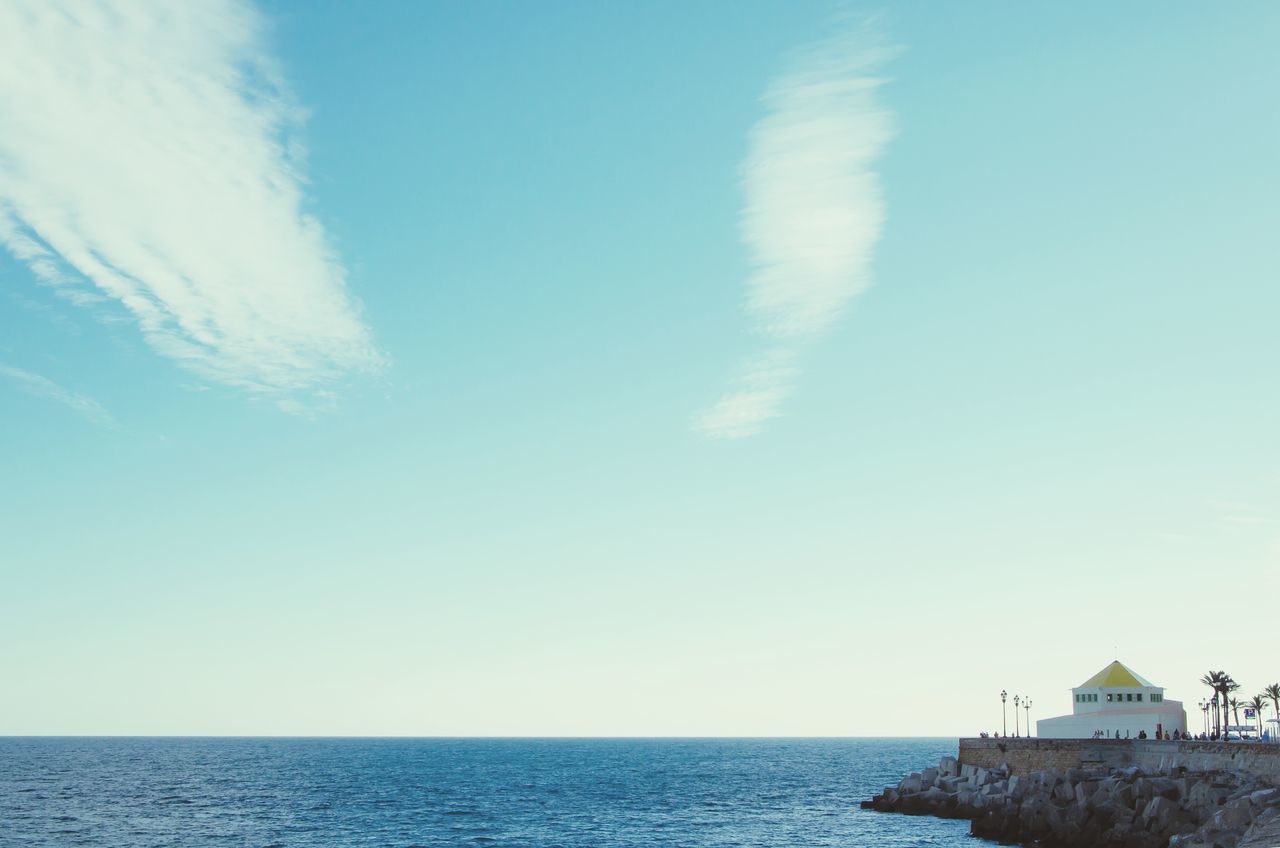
1205 794
1095 808
1124 795
1159 814
1262 797
1084 792
1237 814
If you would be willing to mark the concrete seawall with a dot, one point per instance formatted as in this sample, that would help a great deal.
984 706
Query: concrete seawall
1026 755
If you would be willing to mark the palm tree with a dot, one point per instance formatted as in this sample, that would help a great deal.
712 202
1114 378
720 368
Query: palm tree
1273 692
1235 711
1256 705
1229 686
1213 680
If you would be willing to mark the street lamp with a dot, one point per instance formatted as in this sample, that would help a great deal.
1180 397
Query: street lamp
1216 723
1015 716
1026 705
1004 714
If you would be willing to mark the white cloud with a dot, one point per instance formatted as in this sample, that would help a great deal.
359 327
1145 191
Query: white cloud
46 388
813 213
148 156
756 396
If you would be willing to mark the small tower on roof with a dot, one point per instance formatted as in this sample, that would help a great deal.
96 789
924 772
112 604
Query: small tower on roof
1115 685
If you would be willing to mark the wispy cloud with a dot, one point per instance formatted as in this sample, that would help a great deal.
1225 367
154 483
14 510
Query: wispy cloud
813 214
46 388
149 157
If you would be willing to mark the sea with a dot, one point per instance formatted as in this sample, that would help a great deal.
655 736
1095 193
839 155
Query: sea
480 793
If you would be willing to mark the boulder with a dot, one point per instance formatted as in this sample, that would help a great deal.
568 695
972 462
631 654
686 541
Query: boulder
1123 794
1234 815
1203 793
1263 797
1159 813
1084 791
935 795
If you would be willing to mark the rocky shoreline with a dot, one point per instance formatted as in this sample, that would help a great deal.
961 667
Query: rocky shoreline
1090 807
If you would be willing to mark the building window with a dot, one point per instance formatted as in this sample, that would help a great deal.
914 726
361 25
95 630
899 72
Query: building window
1108 696
1139 696
1129 697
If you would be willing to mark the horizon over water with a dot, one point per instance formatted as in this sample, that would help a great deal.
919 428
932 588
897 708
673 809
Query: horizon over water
277 792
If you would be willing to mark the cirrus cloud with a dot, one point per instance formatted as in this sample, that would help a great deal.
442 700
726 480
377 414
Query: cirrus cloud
149 157
813 214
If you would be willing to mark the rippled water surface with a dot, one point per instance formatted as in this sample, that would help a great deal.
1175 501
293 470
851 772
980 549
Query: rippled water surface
598 793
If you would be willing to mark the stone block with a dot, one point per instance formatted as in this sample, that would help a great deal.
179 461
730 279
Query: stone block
1084 791
1263 797
1159 814
935 795
1237 814
1203 793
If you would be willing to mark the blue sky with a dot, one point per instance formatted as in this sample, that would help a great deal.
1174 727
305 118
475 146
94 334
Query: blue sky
567 368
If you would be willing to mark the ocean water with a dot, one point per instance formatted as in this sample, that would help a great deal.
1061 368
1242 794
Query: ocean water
597 793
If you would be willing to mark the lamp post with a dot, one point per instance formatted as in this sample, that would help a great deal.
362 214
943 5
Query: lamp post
1216 722
1026 705
1015 716
1004 714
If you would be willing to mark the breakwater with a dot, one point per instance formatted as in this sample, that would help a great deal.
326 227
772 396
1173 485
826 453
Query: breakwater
1089 793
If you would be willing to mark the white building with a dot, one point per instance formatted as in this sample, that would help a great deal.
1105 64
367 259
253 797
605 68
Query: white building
1116 701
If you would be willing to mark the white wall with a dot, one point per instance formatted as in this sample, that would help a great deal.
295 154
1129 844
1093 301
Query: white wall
1169 715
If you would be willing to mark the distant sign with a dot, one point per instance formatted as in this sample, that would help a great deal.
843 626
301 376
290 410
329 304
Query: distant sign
1250 713
1241 728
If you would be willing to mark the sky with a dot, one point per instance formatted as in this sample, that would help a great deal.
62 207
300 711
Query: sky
632 369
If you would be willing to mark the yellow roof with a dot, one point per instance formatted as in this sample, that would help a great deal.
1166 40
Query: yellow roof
1116 674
